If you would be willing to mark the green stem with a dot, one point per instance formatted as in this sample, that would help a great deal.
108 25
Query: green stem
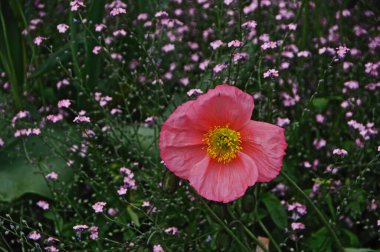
257 241
228 230
319 213
275 244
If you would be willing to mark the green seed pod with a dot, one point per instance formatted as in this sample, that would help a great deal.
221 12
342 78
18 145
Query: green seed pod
223 241
248 203
170 182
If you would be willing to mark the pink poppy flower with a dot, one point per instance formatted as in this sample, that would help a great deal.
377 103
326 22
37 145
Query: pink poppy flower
213 143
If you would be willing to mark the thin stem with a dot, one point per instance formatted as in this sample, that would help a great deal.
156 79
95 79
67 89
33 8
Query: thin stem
257 241
228 230
319 213
275 244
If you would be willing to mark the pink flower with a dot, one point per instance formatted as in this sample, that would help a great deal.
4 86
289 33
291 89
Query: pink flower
62 28
158 248
297 225
268 45
216 44
99 27
219 68
94 232
98 207
168 48
122 190
213 143
43 204
282 122
342 51
52 176
251 25
81 118
38 40
34 235
80 228
76 4
235 43
340 152
271 73
194 92
171 230
51 249
96 50
64 103
117 11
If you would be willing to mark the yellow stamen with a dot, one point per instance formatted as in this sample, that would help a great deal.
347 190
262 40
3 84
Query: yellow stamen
222 143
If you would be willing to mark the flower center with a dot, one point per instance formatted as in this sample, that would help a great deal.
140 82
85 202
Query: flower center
222 143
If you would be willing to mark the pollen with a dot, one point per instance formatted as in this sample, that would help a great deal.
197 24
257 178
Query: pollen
222 143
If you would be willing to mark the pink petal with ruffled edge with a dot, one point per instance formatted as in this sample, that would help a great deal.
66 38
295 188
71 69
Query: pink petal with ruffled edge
221 106
181 145
265 143
224 182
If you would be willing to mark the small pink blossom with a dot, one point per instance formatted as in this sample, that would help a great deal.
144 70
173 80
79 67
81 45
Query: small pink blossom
62 83
271 73
51 249
219 68
142 16
216 44
171 230
297 226
235 43
168 48
120 33
64 103
122 190
99 27
117 11
194 92
319 143
76 4
43 204
62 28
54 118
340 152
94 232
34 235
98 207
158 248
269 45
80 228
38 40
52 176
96 50
282 122
342 51
81 118
251 25
161 14
320 118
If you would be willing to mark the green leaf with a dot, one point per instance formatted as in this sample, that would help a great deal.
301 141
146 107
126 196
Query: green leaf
276 210
12 50
18 176
320 103
352 238
320 241
134 216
